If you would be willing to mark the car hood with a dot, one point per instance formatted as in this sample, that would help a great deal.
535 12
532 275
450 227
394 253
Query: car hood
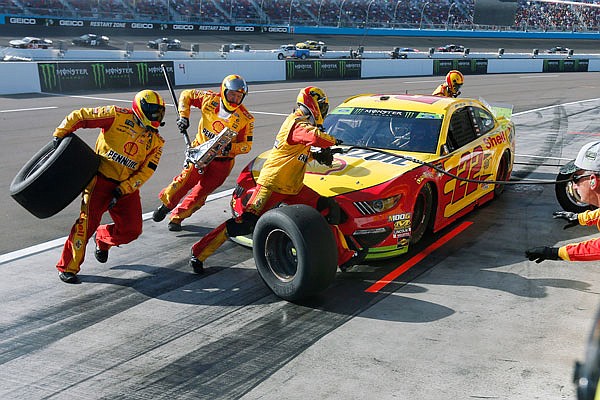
357 170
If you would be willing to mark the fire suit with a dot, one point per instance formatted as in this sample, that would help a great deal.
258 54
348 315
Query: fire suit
280 180
443 90
129 155
588 250
189 180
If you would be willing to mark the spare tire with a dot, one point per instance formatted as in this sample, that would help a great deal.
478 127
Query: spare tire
52 179
295 251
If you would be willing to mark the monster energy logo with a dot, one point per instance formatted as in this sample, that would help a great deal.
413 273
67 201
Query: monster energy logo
142 73
290 69
342 67
317 69
48 73
99 74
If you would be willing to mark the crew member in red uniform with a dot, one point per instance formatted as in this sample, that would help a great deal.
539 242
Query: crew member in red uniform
130 148
451 86
219 110
586 179
281 177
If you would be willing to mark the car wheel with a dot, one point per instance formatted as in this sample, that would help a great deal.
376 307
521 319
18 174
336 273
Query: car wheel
421 215
567 196
280 56
294 251
502 174
303 57
52 179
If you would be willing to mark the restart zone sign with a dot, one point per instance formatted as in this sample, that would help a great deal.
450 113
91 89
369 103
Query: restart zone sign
64 76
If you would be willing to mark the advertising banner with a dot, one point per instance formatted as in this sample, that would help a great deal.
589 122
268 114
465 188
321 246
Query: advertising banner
70 76
322 69
466 66
566 65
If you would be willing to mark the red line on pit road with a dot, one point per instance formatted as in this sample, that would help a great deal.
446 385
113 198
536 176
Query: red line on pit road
389 278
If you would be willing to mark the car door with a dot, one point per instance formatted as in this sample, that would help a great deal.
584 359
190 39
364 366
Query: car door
468 159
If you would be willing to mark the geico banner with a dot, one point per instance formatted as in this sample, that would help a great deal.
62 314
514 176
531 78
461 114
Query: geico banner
466 66
322 69
64 76
23 21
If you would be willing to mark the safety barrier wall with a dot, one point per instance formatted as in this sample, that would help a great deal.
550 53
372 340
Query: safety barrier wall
36 77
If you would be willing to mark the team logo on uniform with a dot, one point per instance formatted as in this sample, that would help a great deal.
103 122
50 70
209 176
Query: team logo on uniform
218 126
130 148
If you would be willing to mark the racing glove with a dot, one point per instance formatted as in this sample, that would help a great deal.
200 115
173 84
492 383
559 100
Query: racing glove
539 254
571 218
56 142
183 123
117 194
323 156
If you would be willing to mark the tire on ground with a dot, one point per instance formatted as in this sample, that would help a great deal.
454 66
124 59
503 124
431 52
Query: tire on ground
52 179
295 251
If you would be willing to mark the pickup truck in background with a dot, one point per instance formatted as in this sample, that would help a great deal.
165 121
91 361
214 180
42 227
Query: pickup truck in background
291 51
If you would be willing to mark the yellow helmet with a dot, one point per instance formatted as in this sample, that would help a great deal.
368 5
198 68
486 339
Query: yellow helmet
315 100
455 80
234 83
149 108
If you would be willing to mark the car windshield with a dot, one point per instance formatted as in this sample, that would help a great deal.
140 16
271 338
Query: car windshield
385 129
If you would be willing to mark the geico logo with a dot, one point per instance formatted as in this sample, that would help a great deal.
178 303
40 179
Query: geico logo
184 27
136 25
244 29
64 22
278 29
28 21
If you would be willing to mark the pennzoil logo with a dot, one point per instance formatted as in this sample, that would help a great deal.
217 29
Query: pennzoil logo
99 73
48 74
142 73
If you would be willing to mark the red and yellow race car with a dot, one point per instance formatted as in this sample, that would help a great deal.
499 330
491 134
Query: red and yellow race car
401 171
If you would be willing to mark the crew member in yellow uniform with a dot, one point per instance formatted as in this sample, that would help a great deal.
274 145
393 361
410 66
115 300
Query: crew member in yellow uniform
219 110
451 86
282 175
129 147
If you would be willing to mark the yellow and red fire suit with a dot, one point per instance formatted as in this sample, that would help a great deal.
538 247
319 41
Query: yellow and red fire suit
443 90
189 180
588 250
129 155
281 180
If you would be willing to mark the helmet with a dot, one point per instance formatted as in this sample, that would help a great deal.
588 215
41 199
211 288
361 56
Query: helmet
149 108
315 100
455 80
233 83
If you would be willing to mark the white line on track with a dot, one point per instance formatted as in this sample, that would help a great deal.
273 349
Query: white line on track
28 109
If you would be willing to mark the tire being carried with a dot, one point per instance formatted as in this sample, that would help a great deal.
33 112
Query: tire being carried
295 251
567 196
52 179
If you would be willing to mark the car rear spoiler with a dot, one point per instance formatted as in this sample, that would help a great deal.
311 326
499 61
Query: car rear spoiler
500 110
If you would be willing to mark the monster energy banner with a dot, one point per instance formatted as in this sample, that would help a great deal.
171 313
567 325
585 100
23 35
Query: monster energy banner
64 77
466 66
568 65
322 69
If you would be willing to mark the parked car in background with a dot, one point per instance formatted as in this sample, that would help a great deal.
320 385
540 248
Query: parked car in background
291 51
91 40
451 48
29 42
310 45
558 50
172 44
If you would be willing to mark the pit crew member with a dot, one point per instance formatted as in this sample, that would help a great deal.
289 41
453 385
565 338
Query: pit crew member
451 86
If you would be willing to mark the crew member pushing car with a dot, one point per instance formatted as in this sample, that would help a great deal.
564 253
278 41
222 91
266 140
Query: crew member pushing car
586 179
281 177
219 110
451 86
129 147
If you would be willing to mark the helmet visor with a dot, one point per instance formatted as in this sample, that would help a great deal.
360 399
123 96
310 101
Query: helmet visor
154 112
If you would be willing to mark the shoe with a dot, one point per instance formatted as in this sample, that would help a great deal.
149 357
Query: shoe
160 213
101 255
68 277
197 265
174 226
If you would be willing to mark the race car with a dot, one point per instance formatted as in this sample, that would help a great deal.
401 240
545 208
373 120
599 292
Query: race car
310 45
172 44
411 164
451 48
91 40
29 42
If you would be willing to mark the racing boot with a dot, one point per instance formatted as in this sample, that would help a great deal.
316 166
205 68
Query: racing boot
197 265
68 277
160 213
174 226
101 255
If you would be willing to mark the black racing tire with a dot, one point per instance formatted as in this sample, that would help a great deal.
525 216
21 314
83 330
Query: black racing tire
303 57
52 179
280 56
567 196
421 215
295 251
502 174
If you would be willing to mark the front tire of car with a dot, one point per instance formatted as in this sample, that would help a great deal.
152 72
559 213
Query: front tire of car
421 215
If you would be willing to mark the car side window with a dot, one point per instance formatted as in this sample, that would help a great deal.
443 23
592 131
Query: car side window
485 120
462 129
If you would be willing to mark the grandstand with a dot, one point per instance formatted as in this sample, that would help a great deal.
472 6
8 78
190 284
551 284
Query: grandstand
422 14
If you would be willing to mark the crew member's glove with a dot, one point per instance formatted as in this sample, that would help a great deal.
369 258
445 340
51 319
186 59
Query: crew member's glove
56 141
183 123
117 194
571 218
225 151
539 254
338 142
323 156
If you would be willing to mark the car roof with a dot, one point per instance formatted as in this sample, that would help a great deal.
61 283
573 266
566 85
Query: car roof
407 102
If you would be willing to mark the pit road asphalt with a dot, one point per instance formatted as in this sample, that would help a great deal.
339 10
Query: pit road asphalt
474 319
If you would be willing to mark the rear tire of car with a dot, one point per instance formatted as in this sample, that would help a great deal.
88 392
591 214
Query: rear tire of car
567 196
295 251
52 179
502 174
421 214
280 56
